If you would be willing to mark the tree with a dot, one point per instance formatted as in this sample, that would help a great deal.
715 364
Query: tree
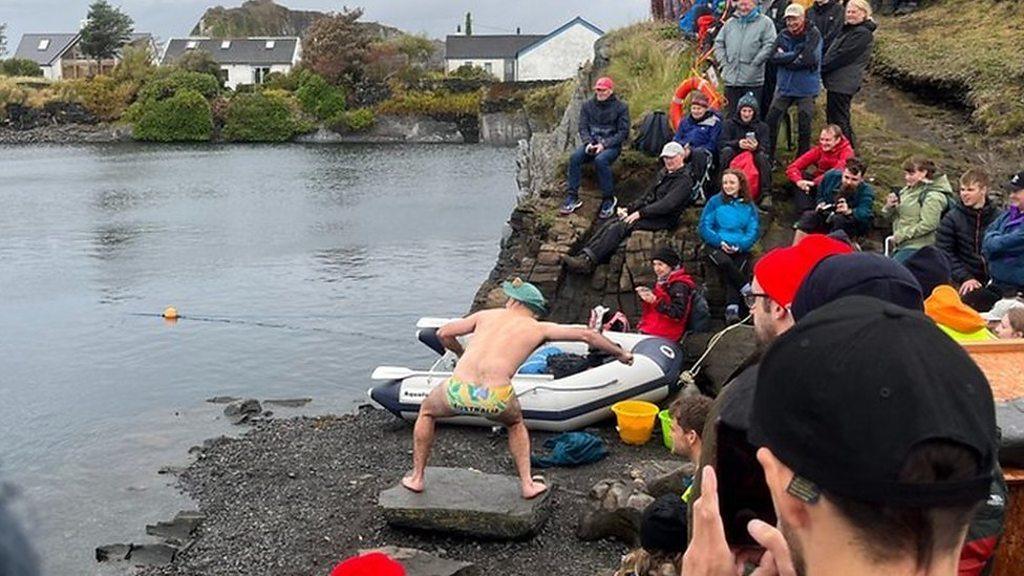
106 30
335 47
198 61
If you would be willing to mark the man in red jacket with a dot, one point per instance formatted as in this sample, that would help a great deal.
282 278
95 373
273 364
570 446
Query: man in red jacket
806 172
666 308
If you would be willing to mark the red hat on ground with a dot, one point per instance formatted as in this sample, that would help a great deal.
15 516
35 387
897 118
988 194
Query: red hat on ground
781 272
604 83
372 564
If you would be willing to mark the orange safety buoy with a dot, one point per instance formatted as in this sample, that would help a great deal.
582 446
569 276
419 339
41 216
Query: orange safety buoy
675 110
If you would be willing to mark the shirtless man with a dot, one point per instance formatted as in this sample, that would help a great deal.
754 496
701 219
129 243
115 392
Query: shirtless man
482 382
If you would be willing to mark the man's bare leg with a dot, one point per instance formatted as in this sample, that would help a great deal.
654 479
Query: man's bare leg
519 446
434 406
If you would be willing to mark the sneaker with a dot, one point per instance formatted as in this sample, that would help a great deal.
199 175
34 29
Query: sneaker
746 291
572 202
732 314
608 207
580 264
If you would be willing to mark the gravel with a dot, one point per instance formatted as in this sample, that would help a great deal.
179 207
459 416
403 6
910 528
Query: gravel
297 496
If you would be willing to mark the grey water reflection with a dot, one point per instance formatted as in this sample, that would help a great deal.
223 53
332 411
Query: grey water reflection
297 269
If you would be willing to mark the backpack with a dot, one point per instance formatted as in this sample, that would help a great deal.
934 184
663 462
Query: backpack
653 134
700 314
951 198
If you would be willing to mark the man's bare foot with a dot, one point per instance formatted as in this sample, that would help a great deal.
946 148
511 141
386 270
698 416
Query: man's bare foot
536 487
413 484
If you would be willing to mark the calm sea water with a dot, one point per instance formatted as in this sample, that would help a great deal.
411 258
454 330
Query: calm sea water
297 270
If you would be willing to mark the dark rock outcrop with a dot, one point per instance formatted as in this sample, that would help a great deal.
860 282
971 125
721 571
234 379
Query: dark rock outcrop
614 510
467 502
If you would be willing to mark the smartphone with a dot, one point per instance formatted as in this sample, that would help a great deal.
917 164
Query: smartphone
751 136
742 491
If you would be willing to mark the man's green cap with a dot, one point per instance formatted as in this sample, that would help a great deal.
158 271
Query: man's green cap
526 293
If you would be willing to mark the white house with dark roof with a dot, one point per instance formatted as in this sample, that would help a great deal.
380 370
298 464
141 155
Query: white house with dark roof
241 60
522 57
61 57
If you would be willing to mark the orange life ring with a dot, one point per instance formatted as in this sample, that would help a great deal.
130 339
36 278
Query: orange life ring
675 109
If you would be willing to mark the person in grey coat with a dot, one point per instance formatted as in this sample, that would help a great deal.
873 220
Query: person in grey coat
843 66
741 49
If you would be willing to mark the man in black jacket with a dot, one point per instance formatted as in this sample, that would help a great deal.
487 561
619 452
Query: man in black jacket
843 66
828 17
745 132
604 127
658 209
959 237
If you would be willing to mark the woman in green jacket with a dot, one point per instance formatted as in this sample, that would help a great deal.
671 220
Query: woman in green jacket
915 211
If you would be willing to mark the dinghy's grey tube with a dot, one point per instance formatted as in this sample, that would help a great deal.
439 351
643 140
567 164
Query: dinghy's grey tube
429 337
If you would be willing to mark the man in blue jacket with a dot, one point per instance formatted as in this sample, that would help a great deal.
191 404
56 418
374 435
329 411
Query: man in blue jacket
604 127
797 57
698 133
845 202
1003 245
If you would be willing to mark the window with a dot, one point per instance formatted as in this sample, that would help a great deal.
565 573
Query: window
191 45
44 44
224 75
488 67
270 45
259 74
225 44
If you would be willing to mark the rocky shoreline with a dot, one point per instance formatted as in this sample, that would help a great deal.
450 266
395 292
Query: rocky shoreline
297 496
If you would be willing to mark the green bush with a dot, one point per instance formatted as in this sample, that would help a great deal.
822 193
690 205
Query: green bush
184 117
103 96
439 104
10 93
358 120
319 98
19 67
258 117
470 72
167 82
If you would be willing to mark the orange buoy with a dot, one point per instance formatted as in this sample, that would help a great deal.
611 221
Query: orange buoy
171 313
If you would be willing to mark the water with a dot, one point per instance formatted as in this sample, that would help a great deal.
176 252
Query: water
297 270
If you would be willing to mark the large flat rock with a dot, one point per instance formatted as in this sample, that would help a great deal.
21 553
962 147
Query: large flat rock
466 502
420 563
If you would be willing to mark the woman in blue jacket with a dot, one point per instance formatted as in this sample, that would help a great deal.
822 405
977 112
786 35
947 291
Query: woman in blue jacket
728 226
1003 246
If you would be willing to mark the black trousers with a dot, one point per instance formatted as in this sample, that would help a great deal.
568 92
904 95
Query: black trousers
761 160
733 95
733 268
814 221
805 115
606 240
837 111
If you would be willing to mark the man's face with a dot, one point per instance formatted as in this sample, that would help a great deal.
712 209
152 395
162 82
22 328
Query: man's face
794 23
746 114
673 163
766 329
973 195
682 440
851 180
1017 198
602 94
698 111
827 139
745 7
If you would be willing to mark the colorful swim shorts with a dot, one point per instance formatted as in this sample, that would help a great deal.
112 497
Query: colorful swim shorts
473 399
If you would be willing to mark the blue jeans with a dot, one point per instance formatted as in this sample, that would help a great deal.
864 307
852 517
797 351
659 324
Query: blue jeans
602 161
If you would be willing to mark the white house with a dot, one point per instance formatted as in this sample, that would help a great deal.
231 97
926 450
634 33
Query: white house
241 60
60 55
521 57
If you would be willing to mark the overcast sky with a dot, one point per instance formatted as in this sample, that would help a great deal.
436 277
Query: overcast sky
167 18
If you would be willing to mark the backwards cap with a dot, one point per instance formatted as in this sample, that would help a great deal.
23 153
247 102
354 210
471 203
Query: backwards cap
781 271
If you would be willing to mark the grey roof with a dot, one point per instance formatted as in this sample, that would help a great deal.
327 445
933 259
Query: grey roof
28 48
241 50
488 46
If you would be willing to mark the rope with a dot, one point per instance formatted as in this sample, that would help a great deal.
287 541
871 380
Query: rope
695 369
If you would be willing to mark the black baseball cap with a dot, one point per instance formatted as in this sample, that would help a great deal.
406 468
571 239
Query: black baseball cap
845 395
663 525
860 273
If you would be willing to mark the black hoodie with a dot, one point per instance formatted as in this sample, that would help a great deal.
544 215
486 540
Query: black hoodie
959 236
843 66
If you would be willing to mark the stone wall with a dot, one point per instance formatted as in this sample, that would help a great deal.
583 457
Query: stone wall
504 128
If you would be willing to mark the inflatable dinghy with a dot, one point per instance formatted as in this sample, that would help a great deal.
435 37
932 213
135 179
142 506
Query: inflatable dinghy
550 404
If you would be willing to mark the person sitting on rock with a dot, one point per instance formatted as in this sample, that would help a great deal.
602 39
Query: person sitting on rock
666 308
1012 325
698 132
916 209
481 384
604 127
807 171
845 202
1003 245
746 135
960 234
658 209
729 227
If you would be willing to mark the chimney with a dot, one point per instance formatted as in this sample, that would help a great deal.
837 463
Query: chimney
518 30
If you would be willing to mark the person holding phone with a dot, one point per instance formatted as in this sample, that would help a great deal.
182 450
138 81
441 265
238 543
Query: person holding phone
743 143
729 227
666 308
845 202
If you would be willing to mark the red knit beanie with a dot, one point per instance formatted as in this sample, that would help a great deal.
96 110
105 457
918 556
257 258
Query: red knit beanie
372 564
781 271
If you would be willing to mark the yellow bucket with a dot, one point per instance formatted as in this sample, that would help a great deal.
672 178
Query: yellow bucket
635 419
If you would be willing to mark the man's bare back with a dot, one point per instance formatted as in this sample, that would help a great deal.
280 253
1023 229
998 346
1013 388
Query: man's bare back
502 341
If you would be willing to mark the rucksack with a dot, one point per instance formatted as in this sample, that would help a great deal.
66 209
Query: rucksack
653 134
951 198
700 313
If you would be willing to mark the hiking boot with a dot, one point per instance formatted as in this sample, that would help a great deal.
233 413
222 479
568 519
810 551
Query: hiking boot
579 264
572 202
608 207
